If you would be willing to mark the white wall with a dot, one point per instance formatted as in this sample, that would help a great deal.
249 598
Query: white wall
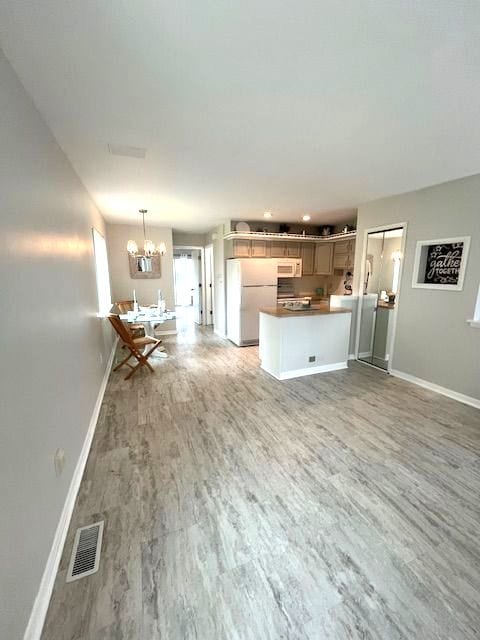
433 340
122 284
53 347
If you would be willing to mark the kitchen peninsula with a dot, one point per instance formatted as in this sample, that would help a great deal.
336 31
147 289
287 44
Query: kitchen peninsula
301 343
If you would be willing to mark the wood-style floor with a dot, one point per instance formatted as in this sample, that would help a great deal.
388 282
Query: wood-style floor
332 507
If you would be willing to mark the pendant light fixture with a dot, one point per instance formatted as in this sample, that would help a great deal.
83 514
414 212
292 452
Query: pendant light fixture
149 248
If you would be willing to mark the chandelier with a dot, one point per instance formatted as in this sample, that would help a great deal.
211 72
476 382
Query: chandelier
149 247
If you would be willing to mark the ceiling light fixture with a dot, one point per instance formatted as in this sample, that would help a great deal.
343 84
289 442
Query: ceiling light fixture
267 214
306 218
149 248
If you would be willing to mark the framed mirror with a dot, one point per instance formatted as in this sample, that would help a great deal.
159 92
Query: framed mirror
144 266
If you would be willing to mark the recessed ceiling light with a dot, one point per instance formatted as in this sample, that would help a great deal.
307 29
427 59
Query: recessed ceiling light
267 214
306 218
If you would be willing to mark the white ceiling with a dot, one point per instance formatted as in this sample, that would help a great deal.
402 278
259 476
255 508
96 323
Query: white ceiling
295 107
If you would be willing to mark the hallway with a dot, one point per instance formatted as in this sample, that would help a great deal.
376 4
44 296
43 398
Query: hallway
332 507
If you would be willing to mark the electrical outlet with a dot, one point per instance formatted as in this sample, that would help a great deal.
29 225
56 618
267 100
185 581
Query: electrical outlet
59 461
311 358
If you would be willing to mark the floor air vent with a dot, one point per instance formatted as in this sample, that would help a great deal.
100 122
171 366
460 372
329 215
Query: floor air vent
86 551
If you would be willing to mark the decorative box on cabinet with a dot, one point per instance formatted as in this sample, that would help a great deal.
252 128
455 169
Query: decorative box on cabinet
308 259
323 259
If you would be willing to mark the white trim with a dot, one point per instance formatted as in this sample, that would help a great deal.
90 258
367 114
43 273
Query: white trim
455 395
220 334
42 600
295 237
463 265
475 321
308 371
351 356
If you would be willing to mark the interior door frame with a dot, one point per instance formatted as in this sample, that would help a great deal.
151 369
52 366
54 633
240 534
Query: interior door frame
191 247
209 252
384 227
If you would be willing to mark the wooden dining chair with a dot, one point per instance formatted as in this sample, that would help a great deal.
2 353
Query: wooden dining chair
134 345
137 328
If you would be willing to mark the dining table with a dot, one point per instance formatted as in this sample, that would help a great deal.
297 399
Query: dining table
151 318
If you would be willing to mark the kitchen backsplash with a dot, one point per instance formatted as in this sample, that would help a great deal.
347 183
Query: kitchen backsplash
306 285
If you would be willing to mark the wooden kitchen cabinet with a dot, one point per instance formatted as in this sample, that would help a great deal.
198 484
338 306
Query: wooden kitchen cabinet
344 256
324 258
258 249
293 249
351 255
308 259
343 246
241 248
278 249
341 260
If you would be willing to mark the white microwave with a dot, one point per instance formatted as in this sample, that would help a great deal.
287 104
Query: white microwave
289 268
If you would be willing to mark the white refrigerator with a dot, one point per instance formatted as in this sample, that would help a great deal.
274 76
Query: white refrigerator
251 284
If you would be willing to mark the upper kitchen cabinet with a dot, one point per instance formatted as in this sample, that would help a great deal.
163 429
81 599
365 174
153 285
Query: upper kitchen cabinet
258 249
324 258
308 258
293 249
278 249
241 248
344 257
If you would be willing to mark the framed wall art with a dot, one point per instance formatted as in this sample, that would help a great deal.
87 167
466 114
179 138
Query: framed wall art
441 263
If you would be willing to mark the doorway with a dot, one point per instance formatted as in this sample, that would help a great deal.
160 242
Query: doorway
379 293
187 273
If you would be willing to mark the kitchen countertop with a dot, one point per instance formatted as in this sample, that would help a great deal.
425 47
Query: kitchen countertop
313 298
314 310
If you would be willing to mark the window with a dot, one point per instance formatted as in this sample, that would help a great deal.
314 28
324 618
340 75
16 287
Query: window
103 276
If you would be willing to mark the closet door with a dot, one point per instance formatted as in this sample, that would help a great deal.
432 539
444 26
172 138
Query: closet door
378 302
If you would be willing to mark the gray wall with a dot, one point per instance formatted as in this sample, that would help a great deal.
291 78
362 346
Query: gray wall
182 239
53 347
122 284
433 340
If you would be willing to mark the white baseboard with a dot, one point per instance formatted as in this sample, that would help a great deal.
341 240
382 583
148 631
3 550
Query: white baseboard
308 371
473 402
40 606
351 356
220 334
